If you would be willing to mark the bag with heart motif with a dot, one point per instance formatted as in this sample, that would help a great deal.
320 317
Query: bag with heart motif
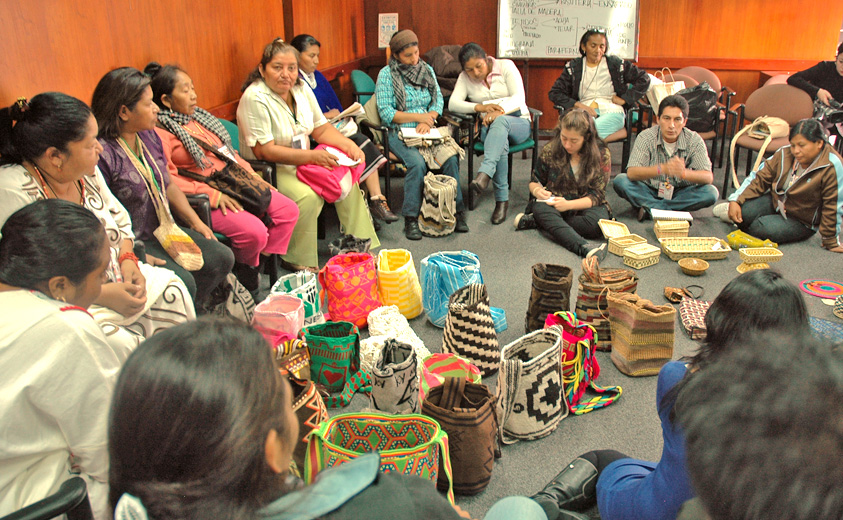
334 353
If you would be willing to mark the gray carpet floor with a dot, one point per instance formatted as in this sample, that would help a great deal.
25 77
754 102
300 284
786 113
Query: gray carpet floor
631 425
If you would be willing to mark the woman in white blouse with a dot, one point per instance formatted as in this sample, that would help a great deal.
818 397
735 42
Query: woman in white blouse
277 116
493 88
57 370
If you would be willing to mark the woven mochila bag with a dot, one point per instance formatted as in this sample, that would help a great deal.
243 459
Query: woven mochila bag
529 388
443 273
398 282
592 305
579 365
438 214
302 285
551 293
310 411
470 329
395 379
436 367
408 444
335 360
642 334
279 318
466 411
351 284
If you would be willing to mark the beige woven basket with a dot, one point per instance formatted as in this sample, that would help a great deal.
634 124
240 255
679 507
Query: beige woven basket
758 255
671 228
707 248
617 245
641 255
612 228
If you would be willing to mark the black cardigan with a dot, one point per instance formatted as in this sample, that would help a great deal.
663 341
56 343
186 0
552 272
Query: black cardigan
822 75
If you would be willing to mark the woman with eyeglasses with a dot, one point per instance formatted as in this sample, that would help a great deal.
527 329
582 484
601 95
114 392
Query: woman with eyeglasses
605 86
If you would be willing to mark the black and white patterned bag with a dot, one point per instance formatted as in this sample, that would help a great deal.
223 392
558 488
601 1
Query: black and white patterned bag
470 328
395 379
438 216
530 389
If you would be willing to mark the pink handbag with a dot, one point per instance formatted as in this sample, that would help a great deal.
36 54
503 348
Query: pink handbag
350 282
332 185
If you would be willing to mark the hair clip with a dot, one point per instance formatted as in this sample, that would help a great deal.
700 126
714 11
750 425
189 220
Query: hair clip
23 104
278 40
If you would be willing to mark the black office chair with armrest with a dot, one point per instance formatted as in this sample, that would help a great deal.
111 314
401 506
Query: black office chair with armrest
71 499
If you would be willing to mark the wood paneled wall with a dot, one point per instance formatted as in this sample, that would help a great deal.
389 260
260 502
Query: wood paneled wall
68 45
736 40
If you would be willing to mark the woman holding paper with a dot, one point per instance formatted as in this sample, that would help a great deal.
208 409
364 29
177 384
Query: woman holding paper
309 48
568 188
277 116
409 100
494 89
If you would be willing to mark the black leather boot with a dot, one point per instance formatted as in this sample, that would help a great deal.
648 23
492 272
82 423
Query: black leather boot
411 228
499 214
574 488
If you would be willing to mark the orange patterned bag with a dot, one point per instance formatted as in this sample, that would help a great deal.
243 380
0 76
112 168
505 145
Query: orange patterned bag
351 283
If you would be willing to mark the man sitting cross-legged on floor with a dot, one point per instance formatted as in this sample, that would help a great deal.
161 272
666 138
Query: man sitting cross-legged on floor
669 166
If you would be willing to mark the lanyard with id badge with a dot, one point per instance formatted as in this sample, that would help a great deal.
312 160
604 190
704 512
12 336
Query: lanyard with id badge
301 139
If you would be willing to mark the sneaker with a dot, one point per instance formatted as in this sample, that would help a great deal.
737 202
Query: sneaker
597 251
721 211
524 221
380 210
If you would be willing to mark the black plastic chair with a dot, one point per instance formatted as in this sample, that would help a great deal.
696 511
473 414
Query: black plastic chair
71 499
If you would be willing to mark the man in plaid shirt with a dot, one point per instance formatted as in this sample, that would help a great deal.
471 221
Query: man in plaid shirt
669 166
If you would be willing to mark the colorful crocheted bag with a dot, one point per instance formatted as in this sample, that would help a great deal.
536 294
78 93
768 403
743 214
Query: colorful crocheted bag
398 282
310 411
409 444
351 283
579 366
436 367
279 318
302 285
335 360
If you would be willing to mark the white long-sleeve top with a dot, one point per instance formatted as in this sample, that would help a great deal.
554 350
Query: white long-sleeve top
57 374
503 85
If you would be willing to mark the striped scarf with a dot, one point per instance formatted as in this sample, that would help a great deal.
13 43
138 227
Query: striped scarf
418 75
173 121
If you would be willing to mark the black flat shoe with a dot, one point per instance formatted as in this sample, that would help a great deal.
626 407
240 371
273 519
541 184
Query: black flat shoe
574 488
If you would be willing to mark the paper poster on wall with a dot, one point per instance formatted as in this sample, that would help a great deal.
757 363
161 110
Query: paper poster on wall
552 28
387 26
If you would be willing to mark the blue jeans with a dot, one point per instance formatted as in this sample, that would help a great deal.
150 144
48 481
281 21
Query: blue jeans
641 195
761 221
519 507
608 124
504 131
416 170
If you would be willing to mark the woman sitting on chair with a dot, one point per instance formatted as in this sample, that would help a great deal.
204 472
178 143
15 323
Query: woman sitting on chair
755 302
278 116
50 150
568 188
493 88
605 86
58 370
824 82
309 49
794 194
408 96
181 125
134 166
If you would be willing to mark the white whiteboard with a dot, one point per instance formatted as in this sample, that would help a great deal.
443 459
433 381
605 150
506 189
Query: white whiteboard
553 28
